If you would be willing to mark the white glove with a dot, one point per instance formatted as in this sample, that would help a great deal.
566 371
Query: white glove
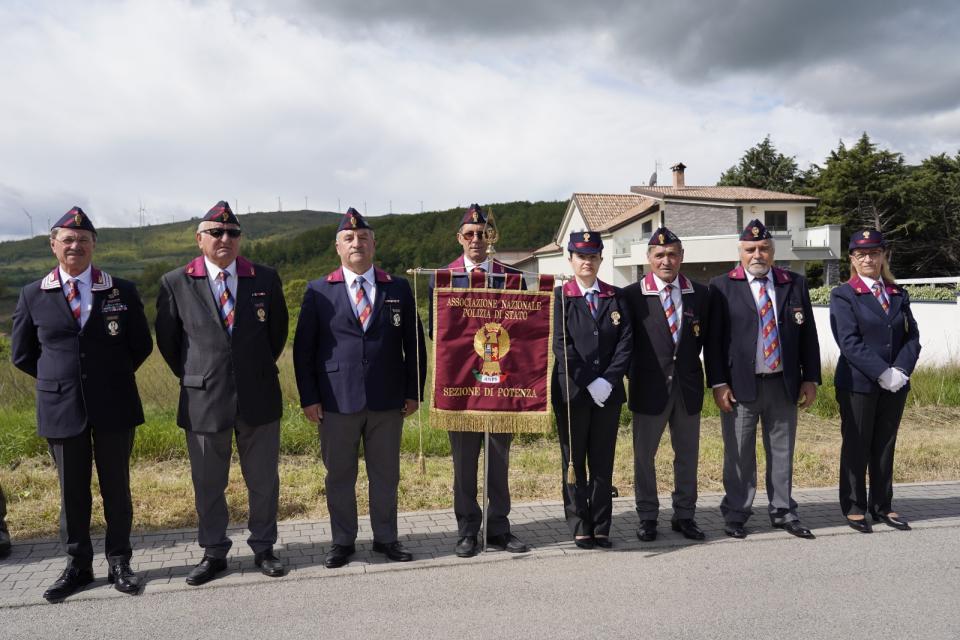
892 380
600 390
900 380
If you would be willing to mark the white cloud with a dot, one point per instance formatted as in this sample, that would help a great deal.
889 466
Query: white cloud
180 104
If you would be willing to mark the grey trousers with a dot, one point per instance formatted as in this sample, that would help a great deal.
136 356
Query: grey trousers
259 450
778 415
465 449
685 438
340 437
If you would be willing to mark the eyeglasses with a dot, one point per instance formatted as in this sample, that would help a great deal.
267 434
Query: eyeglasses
470 235
83 241
218 233
860 256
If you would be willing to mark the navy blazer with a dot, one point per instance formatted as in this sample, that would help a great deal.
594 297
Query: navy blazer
84 376
870 339
731 348
595 347
223 375
348 370
657 362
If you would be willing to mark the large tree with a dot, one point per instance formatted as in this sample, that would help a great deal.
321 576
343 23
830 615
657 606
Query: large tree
763 167
931 196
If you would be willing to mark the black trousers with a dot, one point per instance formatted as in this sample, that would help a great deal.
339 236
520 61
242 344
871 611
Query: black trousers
3 511
465 449
868 424
589 506
74 457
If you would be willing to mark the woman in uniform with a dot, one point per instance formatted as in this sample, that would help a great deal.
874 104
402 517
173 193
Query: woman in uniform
592 346
879 345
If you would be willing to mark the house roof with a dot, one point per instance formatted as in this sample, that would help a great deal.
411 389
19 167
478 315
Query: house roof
599 209
729 194
552 247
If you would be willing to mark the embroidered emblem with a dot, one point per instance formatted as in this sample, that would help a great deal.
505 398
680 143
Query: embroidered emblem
113 327
696 329
661 238
396 318
353 221
798 316
78 219
262 314
491 343
475 217
866 234
586 237
615 318
755 231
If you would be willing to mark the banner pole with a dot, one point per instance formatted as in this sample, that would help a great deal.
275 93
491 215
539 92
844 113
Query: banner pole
486 468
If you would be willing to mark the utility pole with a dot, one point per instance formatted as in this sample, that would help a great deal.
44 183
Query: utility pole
338 204
391 206
305 205
364 207
421 206
279 204
27 213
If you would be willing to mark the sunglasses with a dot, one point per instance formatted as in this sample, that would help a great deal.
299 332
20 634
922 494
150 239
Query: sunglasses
470 235
218 233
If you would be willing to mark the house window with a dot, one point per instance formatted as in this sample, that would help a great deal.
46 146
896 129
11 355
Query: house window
646 230
775 220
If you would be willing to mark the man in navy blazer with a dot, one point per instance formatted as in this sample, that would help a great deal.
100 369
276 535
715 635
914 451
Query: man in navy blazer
221 325
762 360
666 382
465 446
355 352
82 334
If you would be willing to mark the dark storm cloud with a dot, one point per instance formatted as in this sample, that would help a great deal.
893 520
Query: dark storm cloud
861 56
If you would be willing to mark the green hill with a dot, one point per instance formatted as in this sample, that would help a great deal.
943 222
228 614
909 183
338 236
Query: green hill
298 243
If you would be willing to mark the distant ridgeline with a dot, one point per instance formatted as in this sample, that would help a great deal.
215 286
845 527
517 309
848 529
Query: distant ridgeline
298 243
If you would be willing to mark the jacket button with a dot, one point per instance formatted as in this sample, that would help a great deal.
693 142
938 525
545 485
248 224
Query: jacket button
364 361
83 376
596 333
674 358
83 355
596 361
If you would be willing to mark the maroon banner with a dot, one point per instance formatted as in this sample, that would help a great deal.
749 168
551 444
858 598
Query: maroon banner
492 358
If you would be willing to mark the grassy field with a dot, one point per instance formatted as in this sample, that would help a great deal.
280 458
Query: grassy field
928 449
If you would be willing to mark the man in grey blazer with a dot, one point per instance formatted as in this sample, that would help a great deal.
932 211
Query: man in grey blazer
221 325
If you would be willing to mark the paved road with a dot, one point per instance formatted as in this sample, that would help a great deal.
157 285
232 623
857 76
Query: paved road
841 585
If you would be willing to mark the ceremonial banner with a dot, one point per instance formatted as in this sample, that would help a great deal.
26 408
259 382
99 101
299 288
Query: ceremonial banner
492 355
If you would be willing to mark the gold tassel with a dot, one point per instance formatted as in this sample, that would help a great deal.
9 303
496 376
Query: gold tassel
498 422
423 463
571 476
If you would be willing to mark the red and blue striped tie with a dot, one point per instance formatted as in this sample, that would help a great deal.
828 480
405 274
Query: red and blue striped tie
768 329
73 298
881 297
225 300
363 303
670 311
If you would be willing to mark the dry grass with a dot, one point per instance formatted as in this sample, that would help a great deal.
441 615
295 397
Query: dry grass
928 449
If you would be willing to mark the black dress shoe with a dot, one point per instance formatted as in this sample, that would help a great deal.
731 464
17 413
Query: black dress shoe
584 543
794 528
206 571
507 542
467 547
4 544
688 527
860 525
735 530
69 581
338 555
647 531
123 579
894 521
603 542
393 550
270 565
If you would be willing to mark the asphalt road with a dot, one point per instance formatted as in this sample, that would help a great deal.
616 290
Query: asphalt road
886 585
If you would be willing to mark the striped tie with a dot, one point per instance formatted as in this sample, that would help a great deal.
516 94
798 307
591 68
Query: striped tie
768 324
363 303
73 298
881 297
225 300
592 302
670 311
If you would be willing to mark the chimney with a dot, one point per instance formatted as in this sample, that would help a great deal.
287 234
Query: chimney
678 175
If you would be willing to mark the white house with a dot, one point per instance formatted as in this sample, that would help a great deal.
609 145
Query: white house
707 219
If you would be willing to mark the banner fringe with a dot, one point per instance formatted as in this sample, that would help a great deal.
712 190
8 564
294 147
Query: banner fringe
494 421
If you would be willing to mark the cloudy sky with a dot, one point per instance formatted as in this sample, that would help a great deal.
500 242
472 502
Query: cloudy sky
383 103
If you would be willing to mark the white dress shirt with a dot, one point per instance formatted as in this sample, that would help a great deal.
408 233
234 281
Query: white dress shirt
469 264
675 294
213 272
369 285
84 284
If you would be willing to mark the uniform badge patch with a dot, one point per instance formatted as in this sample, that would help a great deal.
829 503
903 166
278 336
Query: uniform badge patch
696 329
755 231
615 318
113 327
396 318
798 316
262 314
